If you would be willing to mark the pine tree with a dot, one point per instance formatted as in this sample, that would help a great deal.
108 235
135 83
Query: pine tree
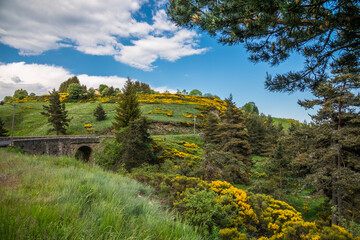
335 153
136 144
257 134
210 129
273 30
99 113
227 152
233 135
128 108
56 113
278 164
3 131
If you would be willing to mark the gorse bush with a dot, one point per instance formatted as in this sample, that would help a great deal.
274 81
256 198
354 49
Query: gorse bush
220 206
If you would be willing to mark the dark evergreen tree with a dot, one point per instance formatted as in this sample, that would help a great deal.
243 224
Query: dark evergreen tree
56 113
3 131
272 30
233 135
99 113
279 164
227 152
136 144
64 85
211 128
335 154
128 108
257 135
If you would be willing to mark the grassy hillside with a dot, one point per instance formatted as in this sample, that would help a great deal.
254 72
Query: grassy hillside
160 107
61 198
29 121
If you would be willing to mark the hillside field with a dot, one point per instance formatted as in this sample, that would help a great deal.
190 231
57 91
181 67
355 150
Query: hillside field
30 122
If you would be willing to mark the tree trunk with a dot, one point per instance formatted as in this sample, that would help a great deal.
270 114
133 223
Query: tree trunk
334 206
280 180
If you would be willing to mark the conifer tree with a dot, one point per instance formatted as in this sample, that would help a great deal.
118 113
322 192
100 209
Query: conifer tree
56 113
3 131
232 133
136 144
99 113
335 154
257 134
210 129
128 108
227 152
273 30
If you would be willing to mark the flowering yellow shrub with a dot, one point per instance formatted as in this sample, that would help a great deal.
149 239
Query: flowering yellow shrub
231 234
89 127
235 200
162 111
189 145
206 103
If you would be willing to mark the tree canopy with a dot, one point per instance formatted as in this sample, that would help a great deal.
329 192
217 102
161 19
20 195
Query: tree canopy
271 30
64 85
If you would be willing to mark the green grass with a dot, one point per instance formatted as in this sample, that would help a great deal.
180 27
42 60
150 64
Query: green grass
29 122
284 122
61 198
190 138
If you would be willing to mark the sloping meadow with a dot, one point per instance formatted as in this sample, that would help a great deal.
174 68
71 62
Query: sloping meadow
61 198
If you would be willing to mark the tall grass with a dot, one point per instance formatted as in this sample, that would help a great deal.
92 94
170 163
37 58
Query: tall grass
61 198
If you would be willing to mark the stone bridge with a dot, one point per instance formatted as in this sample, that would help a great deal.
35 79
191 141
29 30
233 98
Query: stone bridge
78 146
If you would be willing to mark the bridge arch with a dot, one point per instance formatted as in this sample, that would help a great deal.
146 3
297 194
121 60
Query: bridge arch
83 153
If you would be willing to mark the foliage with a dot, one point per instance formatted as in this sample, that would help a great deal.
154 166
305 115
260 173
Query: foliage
99 113
195 92
102 87
250 108
108 91
136 144
109 155
142 88
7 98
272 30
56 113
75 91
201 208
20 94
64 85
128 108
3 131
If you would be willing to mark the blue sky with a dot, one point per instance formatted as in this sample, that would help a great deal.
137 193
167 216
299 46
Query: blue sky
108 41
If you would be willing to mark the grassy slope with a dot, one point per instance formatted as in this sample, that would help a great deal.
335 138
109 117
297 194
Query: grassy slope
29 122
61 198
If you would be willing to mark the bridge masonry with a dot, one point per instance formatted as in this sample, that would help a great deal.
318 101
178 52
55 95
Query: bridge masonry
80 147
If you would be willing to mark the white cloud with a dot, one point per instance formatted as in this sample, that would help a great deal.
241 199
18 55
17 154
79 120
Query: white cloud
41 79
145 51
97 27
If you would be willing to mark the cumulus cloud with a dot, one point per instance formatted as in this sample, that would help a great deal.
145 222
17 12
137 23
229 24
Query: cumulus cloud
145 51
98 27
41 79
